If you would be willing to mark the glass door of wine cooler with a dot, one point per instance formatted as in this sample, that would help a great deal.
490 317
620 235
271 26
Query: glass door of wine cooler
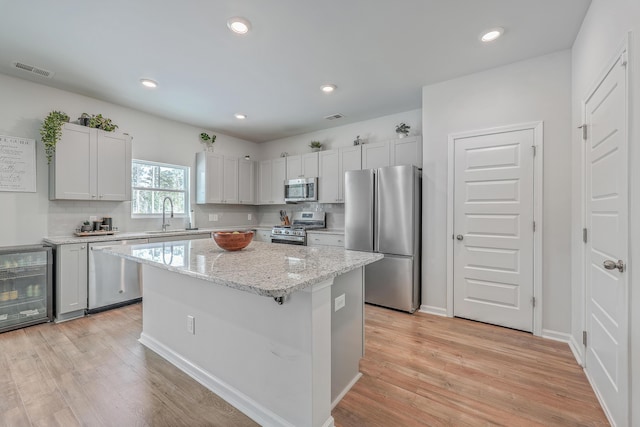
25 286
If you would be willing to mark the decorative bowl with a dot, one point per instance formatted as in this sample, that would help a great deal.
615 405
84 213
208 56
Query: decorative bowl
233 240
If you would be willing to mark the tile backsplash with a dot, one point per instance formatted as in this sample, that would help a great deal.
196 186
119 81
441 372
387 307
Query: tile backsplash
65 215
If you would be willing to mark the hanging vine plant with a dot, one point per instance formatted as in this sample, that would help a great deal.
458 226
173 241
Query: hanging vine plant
51 131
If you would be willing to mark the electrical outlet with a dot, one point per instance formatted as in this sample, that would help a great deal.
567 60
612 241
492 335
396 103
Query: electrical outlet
191 325
248 217
339 302
213 217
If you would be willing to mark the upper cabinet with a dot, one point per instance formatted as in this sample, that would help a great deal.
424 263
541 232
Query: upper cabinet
223 179
302 166
246 182
333 164
402 151
271 177
91 164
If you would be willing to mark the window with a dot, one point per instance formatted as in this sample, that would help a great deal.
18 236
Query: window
151 182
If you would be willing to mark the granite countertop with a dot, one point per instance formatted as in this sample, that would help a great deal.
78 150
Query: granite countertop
260 268
70 239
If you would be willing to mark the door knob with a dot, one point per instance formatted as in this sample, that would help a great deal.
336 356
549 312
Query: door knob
610 265
459 237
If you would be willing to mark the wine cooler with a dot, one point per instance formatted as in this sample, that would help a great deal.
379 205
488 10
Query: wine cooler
25 286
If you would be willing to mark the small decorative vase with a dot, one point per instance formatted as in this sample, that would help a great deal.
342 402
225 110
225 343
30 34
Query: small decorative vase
314 149
402 135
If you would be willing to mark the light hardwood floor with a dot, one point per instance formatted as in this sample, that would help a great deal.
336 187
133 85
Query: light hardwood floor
419 370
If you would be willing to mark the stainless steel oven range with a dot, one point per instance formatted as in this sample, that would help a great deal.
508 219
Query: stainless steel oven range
296 233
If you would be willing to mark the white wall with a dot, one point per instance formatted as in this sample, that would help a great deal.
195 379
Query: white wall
528 91
27 217
603 31
378 129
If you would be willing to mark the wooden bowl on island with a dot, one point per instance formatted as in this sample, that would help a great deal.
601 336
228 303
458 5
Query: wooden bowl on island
233 240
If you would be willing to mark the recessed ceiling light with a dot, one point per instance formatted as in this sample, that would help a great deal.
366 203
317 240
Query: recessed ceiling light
240 116
149 83
239 25
328 88
492 34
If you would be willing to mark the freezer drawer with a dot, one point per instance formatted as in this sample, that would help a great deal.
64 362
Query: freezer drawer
392 282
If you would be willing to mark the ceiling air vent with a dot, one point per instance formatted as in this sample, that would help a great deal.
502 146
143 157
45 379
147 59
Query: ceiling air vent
334 116
33 70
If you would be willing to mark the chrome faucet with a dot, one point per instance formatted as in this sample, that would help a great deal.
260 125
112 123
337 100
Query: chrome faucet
165 224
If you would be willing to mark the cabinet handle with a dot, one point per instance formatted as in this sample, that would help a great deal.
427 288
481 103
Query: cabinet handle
93 196
83 247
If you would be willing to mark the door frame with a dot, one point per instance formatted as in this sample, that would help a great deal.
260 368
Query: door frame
538 140
623 48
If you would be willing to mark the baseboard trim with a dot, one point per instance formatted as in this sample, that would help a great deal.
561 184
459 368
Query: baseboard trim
346 390
565 338
605 409
429 309
234 397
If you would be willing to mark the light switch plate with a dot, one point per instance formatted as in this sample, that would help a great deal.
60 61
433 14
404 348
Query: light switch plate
248 217
339 302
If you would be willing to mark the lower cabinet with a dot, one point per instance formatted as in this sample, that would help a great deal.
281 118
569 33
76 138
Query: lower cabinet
262 236
71 280
324 239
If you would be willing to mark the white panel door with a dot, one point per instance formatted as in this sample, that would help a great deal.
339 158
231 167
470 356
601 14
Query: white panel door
607 222
493 227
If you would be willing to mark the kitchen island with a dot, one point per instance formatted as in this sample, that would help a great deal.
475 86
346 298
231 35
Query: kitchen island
275 330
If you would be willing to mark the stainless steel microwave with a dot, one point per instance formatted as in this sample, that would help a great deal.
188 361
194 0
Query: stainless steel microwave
301 190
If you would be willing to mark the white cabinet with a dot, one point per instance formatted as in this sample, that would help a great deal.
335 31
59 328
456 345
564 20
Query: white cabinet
407 151
324 239
91 164
71 280
262 236
302 166
395 152
246 182
219 180
271 177
333 164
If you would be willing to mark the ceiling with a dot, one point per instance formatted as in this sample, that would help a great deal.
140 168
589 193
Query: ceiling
379 54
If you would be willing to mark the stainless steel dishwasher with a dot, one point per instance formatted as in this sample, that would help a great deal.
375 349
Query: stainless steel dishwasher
113 281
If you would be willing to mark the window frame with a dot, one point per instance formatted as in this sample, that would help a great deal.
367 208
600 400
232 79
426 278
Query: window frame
186 191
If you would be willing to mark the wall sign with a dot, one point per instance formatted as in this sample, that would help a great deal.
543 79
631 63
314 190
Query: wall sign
17 164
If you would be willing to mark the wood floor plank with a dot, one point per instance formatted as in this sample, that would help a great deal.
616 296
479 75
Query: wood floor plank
418 370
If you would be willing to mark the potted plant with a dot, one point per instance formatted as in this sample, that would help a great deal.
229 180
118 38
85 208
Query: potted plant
315 146
402 130
103 123
51 131
207 140
86 226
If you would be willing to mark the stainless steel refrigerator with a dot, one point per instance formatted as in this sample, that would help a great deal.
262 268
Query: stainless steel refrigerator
382 214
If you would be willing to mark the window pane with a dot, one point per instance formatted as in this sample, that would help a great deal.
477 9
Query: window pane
150 202
142 175
171 178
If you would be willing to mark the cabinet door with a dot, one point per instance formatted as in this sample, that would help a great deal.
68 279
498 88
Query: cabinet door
71 278
329 177
246 179
407 151
70 169
350 160
113 172
230 180
320 239
262 236
376 155
310 165
278 176
265 169
294 167
214 178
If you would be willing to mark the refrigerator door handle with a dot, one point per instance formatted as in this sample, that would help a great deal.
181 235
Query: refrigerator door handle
376 213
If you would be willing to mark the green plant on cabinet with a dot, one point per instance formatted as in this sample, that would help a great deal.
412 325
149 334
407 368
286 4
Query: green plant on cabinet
51 131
